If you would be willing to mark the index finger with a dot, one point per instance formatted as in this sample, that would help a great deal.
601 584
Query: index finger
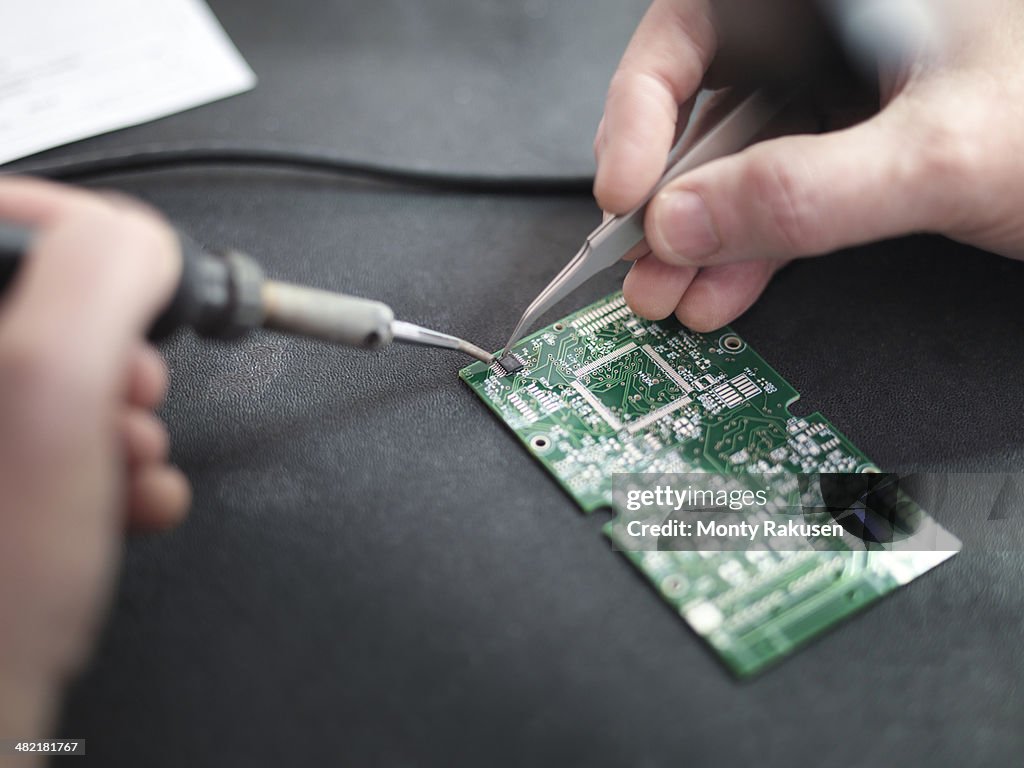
661 70
37 204
94 278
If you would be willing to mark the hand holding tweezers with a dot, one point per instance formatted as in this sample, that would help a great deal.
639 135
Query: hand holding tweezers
617 236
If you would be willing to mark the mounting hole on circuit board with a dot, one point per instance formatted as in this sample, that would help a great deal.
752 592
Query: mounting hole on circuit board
731 343
540 443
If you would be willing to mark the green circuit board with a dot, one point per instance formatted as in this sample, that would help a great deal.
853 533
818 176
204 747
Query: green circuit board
604 393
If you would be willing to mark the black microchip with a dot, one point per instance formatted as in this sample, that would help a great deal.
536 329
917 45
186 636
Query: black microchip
510 364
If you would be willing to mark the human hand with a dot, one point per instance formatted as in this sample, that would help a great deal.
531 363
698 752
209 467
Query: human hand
81 452
944 154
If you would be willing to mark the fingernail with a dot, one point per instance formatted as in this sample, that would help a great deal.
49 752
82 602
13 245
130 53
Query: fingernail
683 223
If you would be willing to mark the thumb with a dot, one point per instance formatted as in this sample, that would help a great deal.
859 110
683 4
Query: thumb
794 196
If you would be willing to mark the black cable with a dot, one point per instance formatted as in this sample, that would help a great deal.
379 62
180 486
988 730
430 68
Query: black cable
160 156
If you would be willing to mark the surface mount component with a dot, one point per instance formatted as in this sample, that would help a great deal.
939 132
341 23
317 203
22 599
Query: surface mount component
510 364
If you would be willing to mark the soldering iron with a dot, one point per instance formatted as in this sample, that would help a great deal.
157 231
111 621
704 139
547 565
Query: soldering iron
225 294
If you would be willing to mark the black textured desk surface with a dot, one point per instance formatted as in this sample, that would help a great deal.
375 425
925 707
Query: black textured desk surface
374 573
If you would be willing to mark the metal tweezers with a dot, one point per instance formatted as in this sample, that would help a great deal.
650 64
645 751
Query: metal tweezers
617 236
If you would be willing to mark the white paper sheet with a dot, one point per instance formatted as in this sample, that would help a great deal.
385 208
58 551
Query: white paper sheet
70 69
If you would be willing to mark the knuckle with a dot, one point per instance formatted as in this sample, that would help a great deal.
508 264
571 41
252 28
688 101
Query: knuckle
944 166
651 86
783 192
619 85
948 156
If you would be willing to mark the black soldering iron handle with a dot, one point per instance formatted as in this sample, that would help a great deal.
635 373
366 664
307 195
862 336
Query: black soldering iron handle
219 295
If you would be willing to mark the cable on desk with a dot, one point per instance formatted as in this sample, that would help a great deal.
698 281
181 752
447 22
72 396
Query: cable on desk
160 156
